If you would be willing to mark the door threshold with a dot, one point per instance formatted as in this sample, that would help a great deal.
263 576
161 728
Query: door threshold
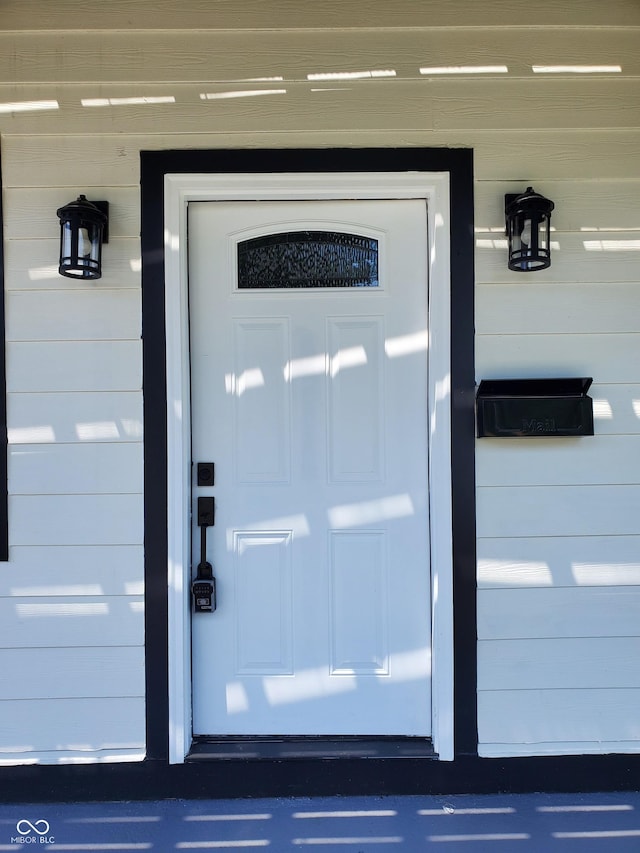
256 748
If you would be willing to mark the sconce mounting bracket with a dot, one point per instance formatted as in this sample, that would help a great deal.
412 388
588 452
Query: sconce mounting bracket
103 207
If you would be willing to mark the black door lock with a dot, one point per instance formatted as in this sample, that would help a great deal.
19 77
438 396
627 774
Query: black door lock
204 594
206 473
204 584
206 512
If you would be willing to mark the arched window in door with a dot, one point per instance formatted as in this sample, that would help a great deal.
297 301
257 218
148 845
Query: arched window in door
307 259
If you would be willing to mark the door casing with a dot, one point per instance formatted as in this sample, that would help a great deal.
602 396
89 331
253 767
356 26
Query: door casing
180 189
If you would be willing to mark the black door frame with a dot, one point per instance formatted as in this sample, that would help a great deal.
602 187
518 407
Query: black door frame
458 163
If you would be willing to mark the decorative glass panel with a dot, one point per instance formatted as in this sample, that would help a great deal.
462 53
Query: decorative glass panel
308 259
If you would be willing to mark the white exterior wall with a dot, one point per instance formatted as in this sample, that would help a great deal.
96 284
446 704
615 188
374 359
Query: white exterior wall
84 89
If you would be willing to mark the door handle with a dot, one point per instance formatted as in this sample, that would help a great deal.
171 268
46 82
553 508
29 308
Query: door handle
204 585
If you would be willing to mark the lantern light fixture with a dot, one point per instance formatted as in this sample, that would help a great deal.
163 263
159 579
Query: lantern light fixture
528 225
83 230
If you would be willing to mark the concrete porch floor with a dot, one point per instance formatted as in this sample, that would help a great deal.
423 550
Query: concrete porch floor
584 823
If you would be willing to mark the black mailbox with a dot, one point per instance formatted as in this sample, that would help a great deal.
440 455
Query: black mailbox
534 408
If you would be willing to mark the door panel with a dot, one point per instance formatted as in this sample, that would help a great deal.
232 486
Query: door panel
310 394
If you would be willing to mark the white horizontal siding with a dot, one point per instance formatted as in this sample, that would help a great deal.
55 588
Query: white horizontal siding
78 672
372 104
590 256
72 756
62 570
578 307
558 510
82 726
553 461
571 747
113 159
100 468
558 549
33 265
612 206
201 14
559 721
31 212
293 54
609 154
53 315
616 408
67 418
602 611
71 596
608 358
68 621
74 366
558 563
76 519
559 664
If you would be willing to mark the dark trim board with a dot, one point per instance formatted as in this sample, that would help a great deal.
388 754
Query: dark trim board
298 748
155 780
459 164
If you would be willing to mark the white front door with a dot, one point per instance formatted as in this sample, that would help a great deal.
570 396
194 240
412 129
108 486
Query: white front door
308 343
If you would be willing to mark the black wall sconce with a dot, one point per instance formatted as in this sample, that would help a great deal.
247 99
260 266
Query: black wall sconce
83 230
528 221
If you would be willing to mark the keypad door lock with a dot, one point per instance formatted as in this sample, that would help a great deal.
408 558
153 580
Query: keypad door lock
204 595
